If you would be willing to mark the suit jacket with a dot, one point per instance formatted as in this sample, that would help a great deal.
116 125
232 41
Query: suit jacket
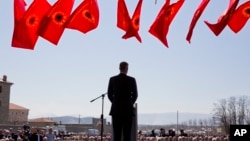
122 92
34 137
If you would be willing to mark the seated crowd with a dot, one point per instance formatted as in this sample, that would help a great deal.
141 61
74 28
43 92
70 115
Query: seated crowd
182 136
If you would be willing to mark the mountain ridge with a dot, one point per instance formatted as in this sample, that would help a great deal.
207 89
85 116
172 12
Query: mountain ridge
143 118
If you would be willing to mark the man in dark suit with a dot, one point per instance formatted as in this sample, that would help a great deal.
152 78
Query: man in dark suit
122 93
35 136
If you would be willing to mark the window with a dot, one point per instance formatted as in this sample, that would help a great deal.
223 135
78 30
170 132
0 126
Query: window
0 103
0 89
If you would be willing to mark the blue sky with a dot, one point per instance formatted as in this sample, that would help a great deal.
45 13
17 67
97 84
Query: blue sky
61 80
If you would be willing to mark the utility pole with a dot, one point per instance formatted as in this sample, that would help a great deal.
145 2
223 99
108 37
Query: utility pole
79 120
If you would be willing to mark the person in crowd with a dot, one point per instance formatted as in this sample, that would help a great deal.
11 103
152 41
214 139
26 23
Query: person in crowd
162 133
42 133
19 134
50 135
171 132
61 135
152 133
35 136
182 133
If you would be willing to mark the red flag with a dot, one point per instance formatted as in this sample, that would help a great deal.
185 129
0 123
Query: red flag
85 17
122 15
196 17
124 22
19 10
223 19
160 26
29 23
52 26
240 17
134 24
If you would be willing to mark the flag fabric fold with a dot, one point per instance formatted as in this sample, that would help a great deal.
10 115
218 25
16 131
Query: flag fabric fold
240 17
26 32
222 22
160 26
196 16
19 10
85 17
129 25
122 15
52 26
134 25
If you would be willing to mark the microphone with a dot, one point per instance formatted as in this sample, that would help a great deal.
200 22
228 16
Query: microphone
102 95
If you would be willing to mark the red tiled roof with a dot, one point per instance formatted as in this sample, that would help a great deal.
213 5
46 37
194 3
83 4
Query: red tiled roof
41 120
16 107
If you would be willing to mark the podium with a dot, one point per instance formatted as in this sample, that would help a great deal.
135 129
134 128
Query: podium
134 126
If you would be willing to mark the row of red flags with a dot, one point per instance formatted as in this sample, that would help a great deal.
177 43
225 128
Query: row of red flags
49 21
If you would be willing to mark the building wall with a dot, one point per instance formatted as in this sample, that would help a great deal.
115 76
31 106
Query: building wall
41 124
17 116
4 101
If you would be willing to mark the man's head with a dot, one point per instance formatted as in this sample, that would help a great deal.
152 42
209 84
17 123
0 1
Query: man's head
123 67
50 130
34 130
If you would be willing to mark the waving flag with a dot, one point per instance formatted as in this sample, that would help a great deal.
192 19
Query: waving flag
52 26
160 26
196 17
29 23
223 19
134 25
240 17
124 22
122 15
19 10
85 17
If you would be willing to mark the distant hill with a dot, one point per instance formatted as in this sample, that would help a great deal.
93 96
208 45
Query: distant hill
170 118
143 119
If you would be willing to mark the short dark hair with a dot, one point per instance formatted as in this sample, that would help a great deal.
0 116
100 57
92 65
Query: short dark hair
123 65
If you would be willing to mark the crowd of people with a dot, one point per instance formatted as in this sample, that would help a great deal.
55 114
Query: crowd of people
185 138
33 134
171 135
36 134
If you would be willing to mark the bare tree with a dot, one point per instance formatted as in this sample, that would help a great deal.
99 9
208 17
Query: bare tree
232 117
201 123
195 123
220 114
242 106
184 125
205 122
190 123
232 111
247 116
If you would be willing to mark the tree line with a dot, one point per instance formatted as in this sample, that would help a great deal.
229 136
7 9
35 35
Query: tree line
232 111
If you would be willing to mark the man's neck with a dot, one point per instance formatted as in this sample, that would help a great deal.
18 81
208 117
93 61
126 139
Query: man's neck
123 73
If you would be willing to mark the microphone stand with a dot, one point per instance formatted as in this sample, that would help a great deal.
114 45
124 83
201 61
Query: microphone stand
101 96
